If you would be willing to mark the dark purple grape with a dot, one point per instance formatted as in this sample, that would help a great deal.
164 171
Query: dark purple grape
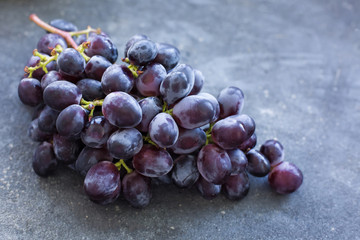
88 157
49 41
66 150
228 133
258 165
189 141
238 161
163 130
117 78
96 132
167 55
177 84
96 67
198 83
249 143
90 89
193 111
121 110
150 107
61 94
136 189
215 104
248 123
207 190
39 73
231 100
132 40
285 178
185 172
36 134
152 161
273 151
125 143
142 52
44 161
148 83
237 186
71 120
103 46
72 79
30 92
83 38
63 25
50 77
214 164
47 119
102 183
71 62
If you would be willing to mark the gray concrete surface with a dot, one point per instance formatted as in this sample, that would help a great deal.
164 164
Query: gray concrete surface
298 63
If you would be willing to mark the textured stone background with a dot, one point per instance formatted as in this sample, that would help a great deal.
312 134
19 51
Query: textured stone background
298 63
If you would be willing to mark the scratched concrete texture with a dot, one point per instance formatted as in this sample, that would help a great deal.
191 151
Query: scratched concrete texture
298 63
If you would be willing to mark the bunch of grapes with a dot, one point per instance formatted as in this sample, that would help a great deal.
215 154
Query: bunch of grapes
125 125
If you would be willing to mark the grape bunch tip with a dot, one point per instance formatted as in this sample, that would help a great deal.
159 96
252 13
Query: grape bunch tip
124 125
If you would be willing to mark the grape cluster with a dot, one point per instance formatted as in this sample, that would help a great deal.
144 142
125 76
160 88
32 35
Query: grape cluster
121 126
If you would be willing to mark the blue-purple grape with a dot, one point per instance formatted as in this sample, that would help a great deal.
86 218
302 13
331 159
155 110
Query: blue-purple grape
163 130
96 67
50 77
142 52
71 120
167 55
132 40
215 104
231 100
117 78
238 161
44 161
150 107
71 62
103 46
236 186
185 172
47 119
258 165
198 82
49 41
30 92
90 89
285 178
36 134
96 132
66 150
136 189
148 83
249 143
273 151
189 141
207 189
88 157
125 143
63 25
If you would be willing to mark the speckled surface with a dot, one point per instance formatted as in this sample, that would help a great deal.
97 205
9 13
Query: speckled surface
298 63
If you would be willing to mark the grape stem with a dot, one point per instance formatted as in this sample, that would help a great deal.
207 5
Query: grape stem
121 163
133 68
44 25
208 134
148 140
90 105
81 50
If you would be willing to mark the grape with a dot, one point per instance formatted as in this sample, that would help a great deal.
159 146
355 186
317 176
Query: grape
71 62
88 157
49 41
65 149
214 164
132 40
168 55
248 144
142 52
150 107
248 123
63 25
36 134
117 78
231 100
103 46
30 92
90 89
50 77
148 83
71 120
238 161
125 143
163 130
285 178
70 78
177 84
228 133
198 83
47 120
193 111
258 165
96 67
237 186
121 110
215 104
152 161
37 111
44 161
96 132
207 190
185 172
61 94
189 141
39 73
136 189
102 183
273 151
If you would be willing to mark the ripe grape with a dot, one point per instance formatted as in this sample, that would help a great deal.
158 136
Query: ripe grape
136 189
198 83
150 107
238 161
273 151
47 119
30 92
207 189
96 67
285 178
132 40
258 165
102 183
50 77
167 55
103 46
117 78
39 73
90 89
249 143
125 143
44 161
163 130
185 172
63 25
96 132
215 104
142 52
49 41
148 83
231 100
189 141
66 150
36 134
71 120
71 62
237 186
88 157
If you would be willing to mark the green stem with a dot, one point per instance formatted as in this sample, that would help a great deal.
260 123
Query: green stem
148 140
44 60
208 134
86 31
121 163
81 50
